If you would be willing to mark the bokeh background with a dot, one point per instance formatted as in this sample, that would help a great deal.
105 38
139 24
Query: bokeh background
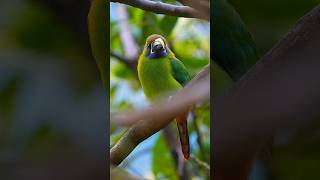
190 41
53 108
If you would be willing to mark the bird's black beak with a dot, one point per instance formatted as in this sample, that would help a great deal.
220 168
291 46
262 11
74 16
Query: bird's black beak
157 46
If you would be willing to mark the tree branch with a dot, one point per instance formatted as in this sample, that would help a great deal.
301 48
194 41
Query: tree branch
202 79
131 63
130 47
120 174
164 8
202 6
152 120
280 93
201 163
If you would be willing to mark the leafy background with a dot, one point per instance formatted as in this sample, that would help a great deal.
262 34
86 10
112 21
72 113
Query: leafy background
189 39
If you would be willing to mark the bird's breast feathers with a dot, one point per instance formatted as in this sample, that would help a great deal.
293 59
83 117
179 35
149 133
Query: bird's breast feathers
156 78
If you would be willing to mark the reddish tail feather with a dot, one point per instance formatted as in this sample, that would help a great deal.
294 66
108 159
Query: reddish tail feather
182 125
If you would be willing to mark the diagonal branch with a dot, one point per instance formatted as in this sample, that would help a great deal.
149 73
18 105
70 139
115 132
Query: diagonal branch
130 63
164 8
153 120
279 94
177 103
203 164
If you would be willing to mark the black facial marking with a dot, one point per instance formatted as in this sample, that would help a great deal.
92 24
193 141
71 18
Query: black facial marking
156 50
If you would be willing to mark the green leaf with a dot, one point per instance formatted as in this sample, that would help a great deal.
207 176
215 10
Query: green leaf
167 25
169 1
162 161
150 25
122 71
202 114
97 27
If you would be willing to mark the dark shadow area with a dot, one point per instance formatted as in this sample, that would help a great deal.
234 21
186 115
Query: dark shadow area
53 108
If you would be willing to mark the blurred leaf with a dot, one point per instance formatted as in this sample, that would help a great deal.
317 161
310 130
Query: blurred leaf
136 23
202 114
194 64
167 24
150 25
162 161
122 71
44 139
298 158
97 26
115 41
124 105
40 31
192 53
136 15
8 89
169 1
113 90
10 83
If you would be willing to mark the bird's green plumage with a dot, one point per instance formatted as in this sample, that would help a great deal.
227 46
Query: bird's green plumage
233 47
161 77
179 71
156 79
161 74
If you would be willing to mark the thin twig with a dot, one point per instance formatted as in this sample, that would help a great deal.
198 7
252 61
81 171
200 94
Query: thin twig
200 163
131 63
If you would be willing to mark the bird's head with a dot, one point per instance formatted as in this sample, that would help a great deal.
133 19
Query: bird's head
156 47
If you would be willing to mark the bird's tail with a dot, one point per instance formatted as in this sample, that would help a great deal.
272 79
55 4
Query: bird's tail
183 133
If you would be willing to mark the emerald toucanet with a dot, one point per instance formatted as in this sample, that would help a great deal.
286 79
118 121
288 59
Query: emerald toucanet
161 74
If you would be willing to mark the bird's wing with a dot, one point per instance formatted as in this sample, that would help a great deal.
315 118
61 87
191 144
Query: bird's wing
233 46
179 71
181 75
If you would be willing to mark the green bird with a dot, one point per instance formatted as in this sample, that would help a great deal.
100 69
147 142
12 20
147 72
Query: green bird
161 75
233 46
